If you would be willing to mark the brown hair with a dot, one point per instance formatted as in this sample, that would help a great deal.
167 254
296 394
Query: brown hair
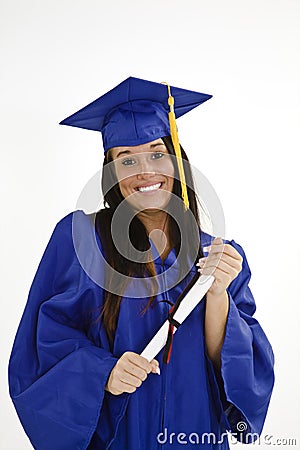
138 236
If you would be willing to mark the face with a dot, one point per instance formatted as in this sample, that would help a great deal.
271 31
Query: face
145 174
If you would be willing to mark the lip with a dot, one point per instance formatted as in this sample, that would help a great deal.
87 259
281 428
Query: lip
149 184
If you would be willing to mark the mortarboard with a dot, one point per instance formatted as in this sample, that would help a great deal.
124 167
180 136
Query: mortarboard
138 111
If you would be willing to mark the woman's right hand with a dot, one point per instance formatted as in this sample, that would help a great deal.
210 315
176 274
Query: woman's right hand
129 373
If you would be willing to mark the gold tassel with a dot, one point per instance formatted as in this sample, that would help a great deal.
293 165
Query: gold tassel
175 140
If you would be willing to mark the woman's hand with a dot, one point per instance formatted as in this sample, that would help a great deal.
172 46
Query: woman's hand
223 262
129 373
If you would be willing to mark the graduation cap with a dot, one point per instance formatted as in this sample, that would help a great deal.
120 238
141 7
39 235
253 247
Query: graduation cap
136 112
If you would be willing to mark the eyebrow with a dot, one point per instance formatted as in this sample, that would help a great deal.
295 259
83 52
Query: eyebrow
126 152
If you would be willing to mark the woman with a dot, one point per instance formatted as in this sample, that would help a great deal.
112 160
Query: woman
77 379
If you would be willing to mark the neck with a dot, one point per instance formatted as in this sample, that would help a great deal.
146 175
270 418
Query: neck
154 220
157 227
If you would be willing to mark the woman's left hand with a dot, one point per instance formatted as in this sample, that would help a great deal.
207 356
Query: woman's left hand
223 262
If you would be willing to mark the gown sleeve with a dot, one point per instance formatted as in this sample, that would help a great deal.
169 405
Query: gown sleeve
57 374
246 379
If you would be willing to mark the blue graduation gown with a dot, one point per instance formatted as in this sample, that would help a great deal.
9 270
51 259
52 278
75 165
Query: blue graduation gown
61 360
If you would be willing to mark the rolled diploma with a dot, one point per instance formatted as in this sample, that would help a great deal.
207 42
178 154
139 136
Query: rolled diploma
188 303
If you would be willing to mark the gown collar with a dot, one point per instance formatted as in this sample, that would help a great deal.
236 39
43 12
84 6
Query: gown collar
168 261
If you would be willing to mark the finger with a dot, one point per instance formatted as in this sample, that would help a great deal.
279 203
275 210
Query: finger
154 362
117 386
155 366
127 378
201 261
115 391
214 259
135 370
221 268
218 264
139 361
221 279
124 387
227 249
215 241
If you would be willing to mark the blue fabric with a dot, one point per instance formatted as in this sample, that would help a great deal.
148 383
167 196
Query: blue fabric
134 112
60 363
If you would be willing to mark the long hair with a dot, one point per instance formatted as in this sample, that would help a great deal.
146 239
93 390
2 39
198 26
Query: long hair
187 234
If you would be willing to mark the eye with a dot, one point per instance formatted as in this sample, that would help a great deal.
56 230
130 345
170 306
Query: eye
128 162
158 155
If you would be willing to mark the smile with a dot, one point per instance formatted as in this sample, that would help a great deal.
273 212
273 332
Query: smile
153 187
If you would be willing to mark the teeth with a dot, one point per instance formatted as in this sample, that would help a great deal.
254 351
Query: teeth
149 188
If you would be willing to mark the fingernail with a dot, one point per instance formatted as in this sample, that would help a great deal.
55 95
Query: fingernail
218 238
201 261
206 249
157 370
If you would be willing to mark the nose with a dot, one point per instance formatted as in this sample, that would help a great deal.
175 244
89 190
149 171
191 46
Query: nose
145 168
145 174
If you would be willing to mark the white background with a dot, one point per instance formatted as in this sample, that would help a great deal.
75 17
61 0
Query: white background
57 56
